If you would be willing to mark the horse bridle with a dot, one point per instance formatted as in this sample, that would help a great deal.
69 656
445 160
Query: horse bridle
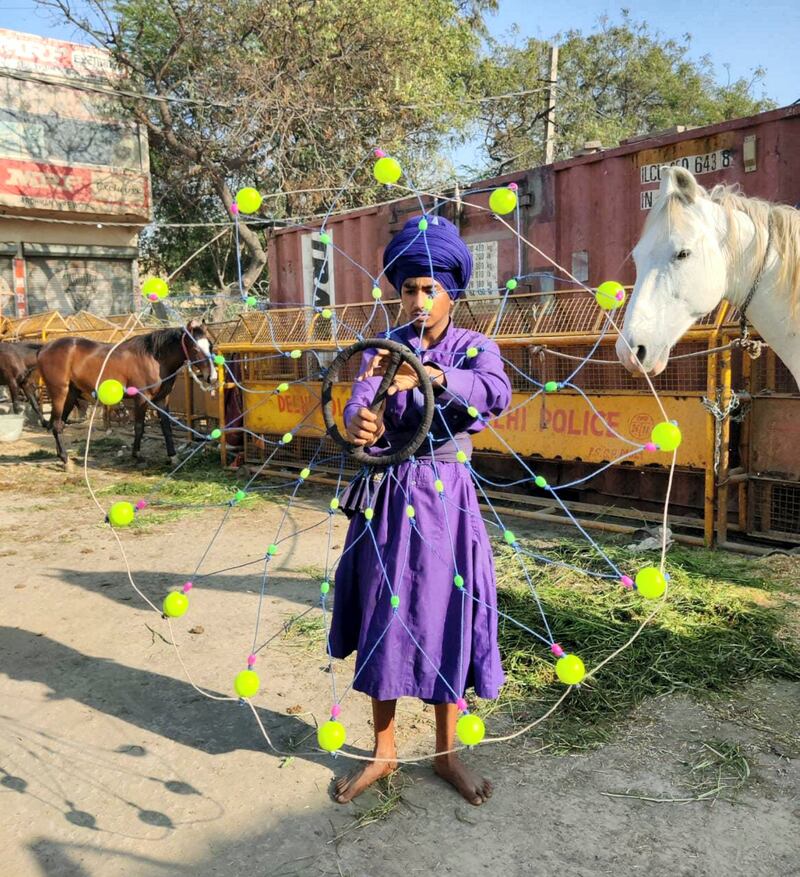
743 331
188 363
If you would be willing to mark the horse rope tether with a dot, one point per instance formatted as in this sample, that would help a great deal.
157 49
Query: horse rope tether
434 538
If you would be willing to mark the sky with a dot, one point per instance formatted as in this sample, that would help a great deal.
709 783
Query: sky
743 34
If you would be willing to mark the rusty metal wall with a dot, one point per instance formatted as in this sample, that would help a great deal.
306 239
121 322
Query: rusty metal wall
586 212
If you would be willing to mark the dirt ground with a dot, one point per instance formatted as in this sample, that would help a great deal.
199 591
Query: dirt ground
112 764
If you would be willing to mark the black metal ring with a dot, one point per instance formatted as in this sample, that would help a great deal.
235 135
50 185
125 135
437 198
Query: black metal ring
399 354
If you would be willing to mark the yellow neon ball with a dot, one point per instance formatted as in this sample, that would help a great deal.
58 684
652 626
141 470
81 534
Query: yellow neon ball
110 392
570 669
246 683
120 514
155 286
248 200
650 583
470 729
331 736
175 604
502 201
387 170
666 435
610 295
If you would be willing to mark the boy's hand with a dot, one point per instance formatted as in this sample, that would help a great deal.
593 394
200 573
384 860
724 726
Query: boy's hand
365 427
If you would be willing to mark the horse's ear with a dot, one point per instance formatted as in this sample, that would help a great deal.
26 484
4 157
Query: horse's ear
192 326
679 182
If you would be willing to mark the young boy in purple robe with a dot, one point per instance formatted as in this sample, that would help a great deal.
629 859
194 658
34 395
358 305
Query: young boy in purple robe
441 637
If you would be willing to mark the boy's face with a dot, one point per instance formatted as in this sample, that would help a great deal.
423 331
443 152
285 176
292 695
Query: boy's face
425 302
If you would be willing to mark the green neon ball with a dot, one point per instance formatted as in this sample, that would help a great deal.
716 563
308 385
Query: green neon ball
423 225
458 580
110 392
427 305
610 295
296 354
509 536
248 200
246 683
410 511
387 170
470 729
511 284
121 514
331 736
286 438
175 604
439 485
666 435
503 200
570 669
539 481
334 504
219 359
650 583
327 313
272 550
369 514
304 473
395 601
216 433
324 238
551 387
240 495
324 587
251 301
377 292
473 412
461 457
155 286
282 388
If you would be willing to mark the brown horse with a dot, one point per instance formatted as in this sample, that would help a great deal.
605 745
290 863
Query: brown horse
17 365
73 368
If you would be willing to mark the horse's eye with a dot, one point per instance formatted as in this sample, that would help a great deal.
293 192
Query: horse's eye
681 255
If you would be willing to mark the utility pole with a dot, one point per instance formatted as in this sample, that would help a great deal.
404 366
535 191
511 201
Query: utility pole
549 125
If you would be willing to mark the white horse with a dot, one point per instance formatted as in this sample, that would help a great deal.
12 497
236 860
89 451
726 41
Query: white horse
698 247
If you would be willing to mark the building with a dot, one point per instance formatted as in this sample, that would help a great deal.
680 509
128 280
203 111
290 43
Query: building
74 180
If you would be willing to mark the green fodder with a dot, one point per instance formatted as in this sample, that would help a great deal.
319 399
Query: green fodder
716 630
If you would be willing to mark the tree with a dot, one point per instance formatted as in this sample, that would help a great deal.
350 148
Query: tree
620 81
284 95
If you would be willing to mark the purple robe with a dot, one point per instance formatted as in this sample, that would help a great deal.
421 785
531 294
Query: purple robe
440 639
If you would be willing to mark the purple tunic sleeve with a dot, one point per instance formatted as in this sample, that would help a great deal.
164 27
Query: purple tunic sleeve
480 382
363 392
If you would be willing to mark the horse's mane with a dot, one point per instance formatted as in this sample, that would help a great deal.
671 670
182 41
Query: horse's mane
785 233
155 343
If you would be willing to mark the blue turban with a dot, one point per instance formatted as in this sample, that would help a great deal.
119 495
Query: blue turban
413 253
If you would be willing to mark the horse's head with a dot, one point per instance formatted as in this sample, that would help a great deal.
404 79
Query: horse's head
681 271
199 353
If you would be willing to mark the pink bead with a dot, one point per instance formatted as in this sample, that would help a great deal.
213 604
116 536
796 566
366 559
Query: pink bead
650 446
379 153
513 187
620 295
187 586
461 705
557 650
234 208
336 711
141 504
251 659
131 391
153 297
626 582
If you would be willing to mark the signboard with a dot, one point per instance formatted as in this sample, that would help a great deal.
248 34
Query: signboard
484 268
549 426
62 148
710 155
318 271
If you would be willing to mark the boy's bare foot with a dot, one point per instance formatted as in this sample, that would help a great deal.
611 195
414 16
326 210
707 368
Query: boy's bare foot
474 788
360 778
